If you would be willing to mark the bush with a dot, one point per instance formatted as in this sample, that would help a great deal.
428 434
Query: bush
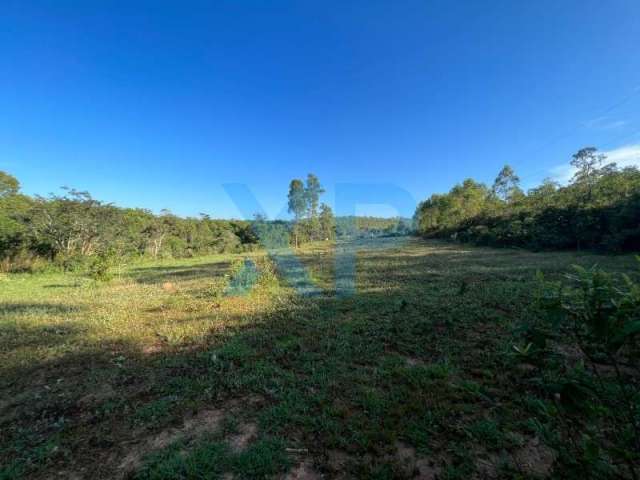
596 316
98 268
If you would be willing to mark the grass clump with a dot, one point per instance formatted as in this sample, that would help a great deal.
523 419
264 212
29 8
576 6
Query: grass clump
211 459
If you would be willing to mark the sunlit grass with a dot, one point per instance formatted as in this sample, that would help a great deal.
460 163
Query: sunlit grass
419 360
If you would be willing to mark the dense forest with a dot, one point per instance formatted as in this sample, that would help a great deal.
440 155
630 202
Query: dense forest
599 209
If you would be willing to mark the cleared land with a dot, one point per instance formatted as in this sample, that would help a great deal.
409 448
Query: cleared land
159 375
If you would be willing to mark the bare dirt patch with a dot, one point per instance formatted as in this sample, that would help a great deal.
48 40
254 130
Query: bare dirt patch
535 458
337 460
414 466
303 471
487 467
152 349
193 427
245 435
203 422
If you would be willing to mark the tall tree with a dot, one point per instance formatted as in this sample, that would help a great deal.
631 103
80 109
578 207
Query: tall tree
506 184
297 199
70 224
327 222
297 204
313 192
587 162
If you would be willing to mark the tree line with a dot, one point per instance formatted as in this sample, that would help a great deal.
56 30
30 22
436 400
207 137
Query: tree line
70 228
598 209
74 231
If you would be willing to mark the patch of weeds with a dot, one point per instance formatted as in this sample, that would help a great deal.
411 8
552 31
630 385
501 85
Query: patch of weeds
264 375
201 387
539 407
207 460
229 425
475 390
155 410
262 459
461 467
211 459
423 376
29 455
332 429
233 350
216 289
109 408
486 431
15 469
418 431
439 371
373 402
290 410
286 346
377 471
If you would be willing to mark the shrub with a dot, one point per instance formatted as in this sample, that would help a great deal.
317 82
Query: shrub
98 266
596 316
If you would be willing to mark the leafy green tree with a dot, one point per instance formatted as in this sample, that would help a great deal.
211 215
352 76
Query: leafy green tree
78 231
303 202
9 185
544 195
506 184
70 224
13 208
598 209
313 190
587 162
297 204
327 222
297 199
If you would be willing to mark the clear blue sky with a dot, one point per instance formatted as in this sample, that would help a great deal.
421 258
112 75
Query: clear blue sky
157 103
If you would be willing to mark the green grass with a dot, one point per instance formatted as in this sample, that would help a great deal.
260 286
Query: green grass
421 356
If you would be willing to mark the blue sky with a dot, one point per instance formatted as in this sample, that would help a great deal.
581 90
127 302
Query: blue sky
157 104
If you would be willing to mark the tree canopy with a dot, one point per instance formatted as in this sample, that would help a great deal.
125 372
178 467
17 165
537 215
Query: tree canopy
599 208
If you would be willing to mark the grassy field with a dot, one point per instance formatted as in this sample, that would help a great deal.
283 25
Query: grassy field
160 374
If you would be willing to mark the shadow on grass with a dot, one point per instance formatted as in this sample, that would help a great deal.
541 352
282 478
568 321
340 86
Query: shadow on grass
14 335
62 285
155 275
412 357
28 308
